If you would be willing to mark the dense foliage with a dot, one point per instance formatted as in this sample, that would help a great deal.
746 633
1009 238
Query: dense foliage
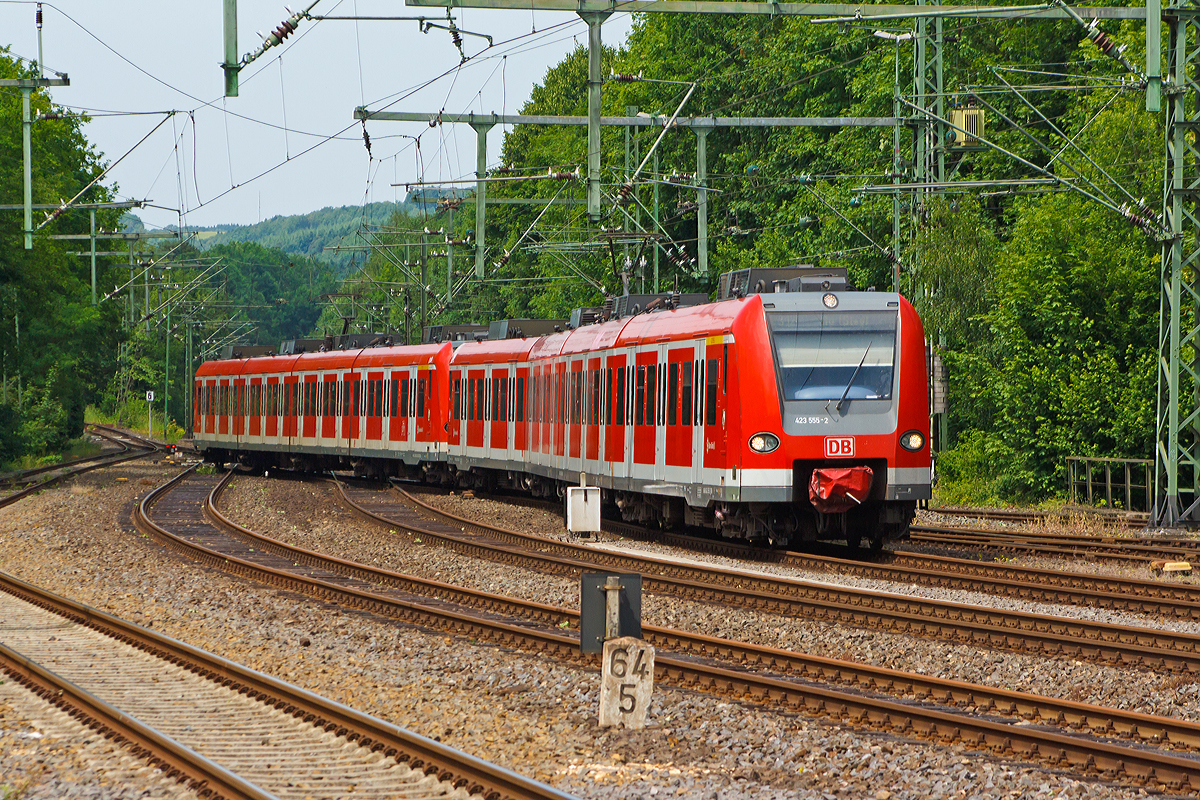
56 349
316 234
1042 299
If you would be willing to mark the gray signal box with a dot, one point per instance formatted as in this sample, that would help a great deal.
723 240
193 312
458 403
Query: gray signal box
592 606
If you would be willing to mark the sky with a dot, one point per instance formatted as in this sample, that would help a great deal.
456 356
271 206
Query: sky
288 144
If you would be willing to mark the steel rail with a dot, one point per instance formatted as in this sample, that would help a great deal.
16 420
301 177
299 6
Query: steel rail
1111 548
997 628
1051 710
1129 519
1030 741
1180 601
478 776
96 462
1079 753
176 761
12 479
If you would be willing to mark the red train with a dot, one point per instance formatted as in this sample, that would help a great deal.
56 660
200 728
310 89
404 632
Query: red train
793 415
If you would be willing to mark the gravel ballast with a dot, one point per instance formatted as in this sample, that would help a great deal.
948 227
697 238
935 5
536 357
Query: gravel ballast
523 711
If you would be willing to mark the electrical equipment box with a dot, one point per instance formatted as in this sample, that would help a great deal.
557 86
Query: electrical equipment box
583 509
970 120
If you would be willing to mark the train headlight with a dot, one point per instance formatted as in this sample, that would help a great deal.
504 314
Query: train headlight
764 442
912 441
830 300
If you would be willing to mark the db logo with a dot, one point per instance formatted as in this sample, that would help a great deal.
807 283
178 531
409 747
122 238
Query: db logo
839 447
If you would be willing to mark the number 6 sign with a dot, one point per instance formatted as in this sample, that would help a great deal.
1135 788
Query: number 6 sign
627 680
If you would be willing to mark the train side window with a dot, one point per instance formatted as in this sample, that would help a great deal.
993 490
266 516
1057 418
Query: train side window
595 397
725 369
578 397
662 394
420 397
640 401
502 385
710 392
619 397
700 392
685 389
520 398
651 394
379 395
672 394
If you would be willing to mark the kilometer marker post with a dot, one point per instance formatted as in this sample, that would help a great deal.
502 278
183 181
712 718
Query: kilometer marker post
627 661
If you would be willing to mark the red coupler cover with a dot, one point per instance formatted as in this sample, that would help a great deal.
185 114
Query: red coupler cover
835 490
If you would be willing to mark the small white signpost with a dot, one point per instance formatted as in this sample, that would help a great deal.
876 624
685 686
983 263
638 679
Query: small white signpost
150 414
627 681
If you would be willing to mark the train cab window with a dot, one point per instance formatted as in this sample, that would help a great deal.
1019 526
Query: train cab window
420 397
685 391
713 375
831 355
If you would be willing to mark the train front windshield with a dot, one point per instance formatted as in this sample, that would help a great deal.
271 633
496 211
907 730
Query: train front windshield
828 355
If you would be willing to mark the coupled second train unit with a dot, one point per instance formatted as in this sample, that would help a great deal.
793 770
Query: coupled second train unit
790 409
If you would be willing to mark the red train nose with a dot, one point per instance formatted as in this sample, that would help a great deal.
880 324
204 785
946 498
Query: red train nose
834 490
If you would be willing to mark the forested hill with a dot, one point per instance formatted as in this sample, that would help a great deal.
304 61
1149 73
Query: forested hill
312 234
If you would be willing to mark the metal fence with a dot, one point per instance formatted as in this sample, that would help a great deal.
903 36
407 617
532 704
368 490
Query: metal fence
1116 482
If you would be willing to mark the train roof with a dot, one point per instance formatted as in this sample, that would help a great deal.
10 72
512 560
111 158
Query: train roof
488 351
320 362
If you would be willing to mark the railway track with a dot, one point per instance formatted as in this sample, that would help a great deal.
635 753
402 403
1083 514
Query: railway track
1034 633
26 479
1116 519
227 730
786 680
1179 601
1121 548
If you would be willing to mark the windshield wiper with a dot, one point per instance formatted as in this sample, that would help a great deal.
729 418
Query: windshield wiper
857 369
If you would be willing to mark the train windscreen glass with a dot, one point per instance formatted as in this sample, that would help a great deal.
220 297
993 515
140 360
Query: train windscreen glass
834 355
